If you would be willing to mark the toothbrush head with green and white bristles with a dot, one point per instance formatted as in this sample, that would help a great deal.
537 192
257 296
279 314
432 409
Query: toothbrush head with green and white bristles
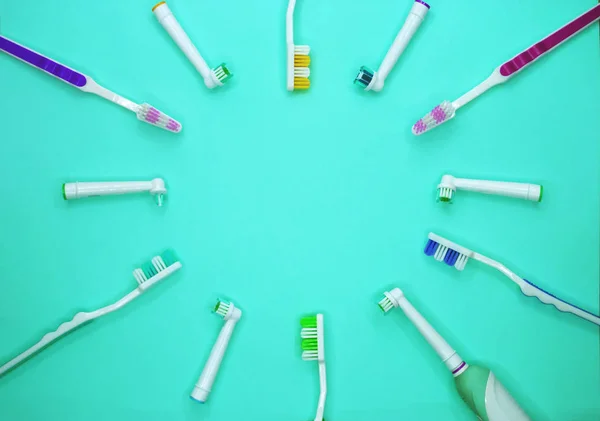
313 349
231 315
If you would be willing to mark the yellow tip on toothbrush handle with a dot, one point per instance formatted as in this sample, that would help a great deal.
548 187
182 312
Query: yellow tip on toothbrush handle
301 61
157 4
301 83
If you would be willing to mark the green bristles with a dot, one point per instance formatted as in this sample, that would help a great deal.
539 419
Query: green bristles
309 321
168 257
309 345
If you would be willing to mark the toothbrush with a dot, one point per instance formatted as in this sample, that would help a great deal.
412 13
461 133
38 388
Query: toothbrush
148 275
454 255
144 112
447 110
78 190
298 58
477 386
231 314
313 349
212 78
374 81
450 184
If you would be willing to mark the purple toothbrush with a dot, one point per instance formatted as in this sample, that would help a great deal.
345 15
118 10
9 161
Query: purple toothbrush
447 110
144 112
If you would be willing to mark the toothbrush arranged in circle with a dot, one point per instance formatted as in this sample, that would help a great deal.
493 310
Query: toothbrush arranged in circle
452 254
78 190
298 56
212 78
147 276
447 110
374 81
450 184
477 386
144 112
313 349
231 314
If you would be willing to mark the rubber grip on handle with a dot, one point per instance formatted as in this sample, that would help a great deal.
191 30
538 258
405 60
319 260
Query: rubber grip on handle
43 63
551 41
532 290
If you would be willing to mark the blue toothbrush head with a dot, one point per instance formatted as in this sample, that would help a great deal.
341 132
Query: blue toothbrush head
364 77
446 251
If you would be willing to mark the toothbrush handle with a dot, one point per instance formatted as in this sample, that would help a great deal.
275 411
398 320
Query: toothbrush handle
501 188
78 190
78 320
412 23
323 392
532 290
211 368
45 64
522 60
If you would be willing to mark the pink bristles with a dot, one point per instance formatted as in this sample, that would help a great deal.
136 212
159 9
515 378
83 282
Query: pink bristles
440 114
151 115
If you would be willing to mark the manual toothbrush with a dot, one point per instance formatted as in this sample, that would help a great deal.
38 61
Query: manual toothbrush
477 386
231 314
146 276
374 81
212 77
298 56
452 254
144 112
313 349
78 189
447 110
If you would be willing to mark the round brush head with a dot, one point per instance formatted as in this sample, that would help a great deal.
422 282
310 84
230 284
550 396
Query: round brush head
364 77
445 194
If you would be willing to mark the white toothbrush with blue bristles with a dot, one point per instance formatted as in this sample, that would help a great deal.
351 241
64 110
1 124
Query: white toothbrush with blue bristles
452 254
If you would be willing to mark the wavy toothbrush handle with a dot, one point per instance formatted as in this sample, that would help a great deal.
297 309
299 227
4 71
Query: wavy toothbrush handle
552 41
47 339
532 290
43 63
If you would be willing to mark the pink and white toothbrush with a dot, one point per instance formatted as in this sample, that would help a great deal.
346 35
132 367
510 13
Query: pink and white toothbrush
447 110
144 112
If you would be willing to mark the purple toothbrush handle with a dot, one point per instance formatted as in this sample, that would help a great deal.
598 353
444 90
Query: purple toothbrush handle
551 41
43 63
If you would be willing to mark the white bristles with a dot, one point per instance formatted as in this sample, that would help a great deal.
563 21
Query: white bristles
310 355
440 253
445 194
461 262
139 276
222 308
301 72
302 50
158 263
440 114
151 115
386 304
309 333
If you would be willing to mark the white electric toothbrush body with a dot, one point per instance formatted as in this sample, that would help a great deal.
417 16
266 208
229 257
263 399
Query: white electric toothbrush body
450 184
231 315
78 190
477 386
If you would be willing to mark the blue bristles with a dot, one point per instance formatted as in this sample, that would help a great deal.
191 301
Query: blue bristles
431 248
451 257
364 77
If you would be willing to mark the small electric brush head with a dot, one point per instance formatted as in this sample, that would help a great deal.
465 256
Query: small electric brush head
151 115
446 189
365 77
312 335
390 300
446 251
440 114
227 310
222 73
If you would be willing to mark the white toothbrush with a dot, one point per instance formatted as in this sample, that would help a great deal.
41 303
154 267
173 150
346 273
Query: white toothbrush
78 189
452 254
447 110
148 275
212 78
450 184
374 81
231 314
144 112
313 349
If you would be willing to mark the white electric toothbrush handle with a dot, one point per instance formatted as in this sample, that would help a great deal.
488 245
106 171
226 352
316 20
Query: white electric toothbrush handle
78 190
501 188
172 26
531 290
499 404
323 391
442 348
211 368
412 23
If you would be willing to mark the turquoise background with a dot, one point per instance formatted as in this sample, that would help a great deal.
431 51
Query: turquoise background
292 204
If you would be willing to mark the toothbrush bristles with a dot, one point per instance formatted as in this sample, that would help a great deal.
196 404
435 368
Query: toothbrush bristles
156 265
440 114
385 304
364 77
221 308
301 70
445 194
151 115
443 253
222 73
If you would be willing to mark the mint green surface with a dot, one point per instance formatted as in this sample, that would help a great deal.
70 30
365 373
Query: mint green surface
471 387
293 204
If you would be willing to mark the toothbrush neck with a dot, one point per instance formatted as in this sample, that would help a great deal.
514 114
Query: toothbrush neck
446 353
92 87
494 79
289 27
